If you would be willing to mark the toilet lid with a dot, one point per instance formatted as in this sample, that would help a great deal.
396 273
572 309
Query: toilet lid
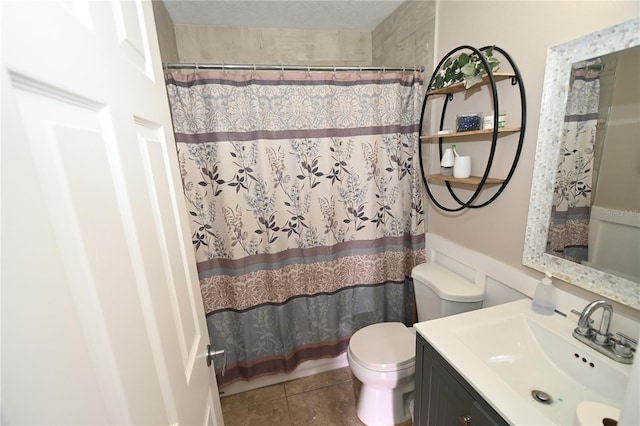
387 346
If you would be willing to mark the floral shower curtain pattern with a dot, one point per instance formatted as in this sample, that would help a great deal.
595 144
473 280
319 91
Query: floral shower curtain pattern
306 208
569 227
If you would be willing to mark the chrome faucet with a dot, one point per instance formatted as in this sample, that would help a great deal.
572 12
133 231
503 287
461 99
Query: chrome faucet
601 340
601 336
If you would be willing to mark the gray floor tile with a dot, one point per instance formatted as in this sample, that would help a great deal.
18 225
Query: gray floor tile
317 381
271 413
332 405
325 399
249 398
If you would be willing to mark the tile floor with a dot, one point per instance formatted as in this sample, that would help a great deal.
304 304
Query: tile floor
325 399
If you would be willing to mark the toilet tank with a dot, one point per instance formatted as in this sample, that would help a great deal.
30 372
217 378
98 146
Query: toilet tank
441 292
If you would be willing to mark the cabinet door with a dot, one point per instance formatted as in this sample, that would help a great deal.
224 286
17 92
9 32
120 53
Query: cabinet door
480 417
449 403
443 397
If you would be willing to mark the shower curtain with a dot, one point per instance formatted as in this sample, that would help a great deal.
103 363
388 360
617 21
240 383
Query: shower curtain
306 208
569 227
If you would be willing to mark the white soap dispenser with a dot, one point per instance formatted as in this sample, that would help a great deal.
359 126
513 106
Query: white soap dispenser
544 299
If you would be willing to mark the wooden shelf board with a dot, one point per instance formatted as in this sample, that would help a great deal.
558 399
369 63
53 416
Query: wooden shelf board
459 87
472 180
501 132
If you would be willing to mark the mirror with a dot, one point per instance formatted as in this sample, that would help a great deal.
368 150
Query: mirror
561 60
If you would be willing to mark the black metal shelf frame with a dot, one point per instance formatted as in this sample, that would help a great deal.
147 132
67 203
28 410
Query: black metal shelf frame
515 80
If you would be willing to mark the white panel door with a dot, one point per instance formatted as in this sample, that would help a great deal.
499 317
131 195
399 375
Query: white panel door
102 318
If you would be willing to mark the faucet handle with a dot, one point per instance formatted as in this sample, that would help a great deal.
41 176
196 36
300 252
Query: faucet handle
626 339
625 346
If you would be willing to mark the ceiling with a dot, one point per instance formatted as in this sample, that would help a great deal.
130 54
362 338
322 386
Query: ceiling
359 15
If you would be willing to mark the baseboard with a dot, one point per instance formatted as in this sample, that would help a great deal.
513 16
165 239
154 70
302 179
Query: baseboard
307 368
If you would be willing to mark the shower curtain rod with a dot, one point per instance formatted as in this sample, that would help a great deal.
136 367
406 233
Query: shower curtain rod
263 67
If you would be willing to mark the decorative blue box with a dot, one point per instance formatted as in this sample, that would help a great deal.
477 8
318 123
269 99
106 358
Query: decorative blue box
468 122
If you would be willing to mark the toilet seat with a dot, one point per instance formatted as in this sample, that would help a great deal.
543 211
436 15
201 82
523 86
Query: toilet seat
384 347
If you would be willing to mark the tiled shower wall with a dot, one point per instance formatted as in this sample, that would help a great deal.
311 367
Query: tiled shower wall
405 38
244 45
165 32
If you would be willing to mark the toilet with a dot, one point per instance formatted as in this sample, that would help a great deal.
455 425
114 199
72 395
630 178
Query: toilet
382 356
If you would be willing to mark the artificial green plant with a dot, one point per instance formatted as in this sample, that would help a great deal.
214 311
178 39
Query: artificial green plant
467 68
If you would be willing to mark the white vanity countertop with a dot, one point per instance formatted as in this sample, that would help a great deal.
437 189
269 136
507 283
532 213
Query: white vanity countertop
516 406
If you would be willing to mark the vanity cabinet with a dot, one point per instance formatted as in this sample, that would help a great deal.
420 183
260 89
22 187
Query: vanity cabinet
489 80
443 396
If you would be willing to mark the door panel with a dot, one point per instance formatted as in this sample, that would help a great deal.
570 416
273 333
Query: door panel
97 266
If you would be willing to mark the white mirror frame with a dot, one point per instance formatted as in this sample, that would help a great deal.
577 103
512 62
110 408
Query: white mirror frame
552 111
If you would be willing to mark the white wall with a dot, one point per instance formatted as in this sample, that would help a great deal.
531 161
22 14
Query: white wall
525 29
503 283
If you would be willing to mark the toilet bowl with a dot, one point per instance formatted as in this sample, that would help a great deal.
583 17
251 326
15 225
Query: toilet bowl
382 356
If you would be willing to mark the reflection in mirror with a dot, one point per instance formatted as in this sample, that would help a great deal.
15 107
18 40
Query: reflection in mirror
595 219
606 175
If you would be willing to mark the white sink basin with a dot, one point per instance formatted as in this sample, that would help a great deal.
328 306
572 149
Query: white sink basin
508 351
